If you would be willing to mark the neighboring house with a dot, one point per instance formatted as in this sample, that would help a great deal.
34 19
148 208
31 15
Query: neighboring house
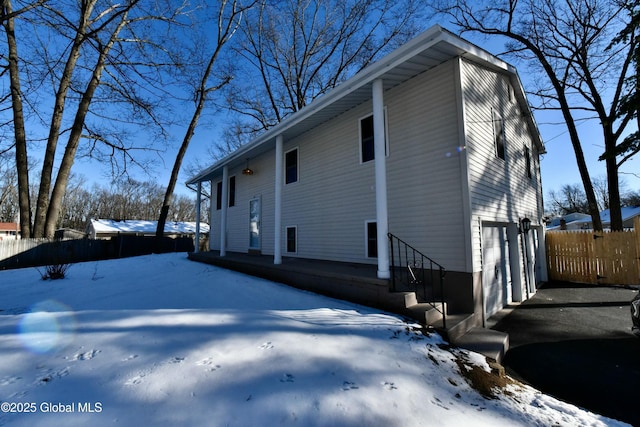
68 234
434 143
629 213
9 231
572 221
108 228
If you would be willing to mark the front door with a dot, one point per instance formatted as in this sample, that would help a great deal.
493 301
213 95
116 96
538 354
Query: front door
495 269
254 224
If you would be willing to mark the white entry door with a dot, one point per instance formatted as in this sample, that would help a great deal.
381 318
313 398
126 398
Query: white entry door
254 224
496 283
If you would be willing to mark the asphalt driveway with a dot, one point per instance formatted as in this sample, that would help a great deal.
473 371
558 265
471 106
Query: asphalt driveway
574 342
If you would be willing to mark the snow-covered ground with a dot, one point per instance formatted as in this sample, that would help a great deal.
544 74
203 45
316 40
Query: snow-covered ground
160 340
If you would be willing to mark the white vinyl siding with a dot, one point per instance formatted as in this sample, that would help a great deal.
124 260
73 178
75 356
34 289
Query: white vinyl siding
258 185
335 192
500 191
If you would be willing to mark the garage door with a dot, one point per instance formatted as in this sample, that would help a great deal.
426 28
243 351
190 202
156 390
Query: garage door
496 275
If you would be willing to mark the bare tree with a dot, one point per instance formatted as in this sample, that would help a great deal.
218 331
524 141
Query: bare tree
297 50
228 18
569 199
8 17
101 64
574 45
8 189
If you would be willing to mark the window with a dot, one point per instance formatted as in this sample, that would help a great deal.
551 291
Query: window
232 193
291 166
498 136
292 239
367 143
527 159
366 139
219 196
372 239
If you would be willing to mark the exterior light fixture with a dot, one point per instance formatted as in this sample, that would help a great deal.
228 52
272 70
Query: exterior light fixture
525 225
247 170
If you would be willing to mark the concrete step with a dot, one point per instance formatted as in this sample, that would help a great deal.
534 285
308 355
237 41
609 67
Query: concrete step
410 299
456 325
426 313
492 344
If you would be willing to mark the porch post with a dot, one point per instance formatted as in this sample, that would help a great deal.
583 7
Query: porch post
198 197
514 262
277 250
212 210
223 210
382 215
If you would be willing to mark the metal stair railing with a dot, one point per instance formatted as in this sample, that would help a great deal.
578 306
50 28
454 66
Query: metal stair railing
413 271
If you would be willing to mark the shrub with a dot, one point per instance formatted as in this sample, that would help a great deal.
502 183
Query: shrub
55 271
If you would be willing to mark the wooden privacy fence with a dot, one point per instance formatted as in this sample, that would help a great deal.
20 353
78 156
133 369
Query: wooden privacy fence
605 258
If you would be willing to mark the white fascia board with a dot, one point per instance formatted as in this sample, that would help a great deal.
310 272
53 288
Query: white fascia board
404 53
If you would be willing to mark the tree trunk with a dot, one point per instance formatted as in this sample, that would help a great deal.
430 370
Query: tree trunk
168 197
42 203
64 171
22 163
613 184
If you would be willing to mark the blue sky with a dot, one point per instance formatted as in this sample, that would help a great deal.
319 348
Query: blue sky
558 165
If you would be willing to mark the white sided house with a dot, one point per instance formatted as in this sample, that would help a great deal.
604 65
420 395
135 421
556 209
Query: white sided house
434 143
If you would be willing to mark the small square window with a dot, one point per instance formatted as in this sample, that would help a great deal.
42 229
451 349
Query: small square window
292 239
498 136
372 239
291 166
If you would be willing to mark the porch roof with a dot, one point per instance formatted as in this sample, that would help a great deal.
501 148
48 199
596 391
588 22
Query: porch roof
430 49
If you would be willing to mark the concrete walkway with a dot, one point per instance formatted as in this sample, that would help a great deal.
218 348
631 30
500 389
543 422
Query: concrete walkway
574 342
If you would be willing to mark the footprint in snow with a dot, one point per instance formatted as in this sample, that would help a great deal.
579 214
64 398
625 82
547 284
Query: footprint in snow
208 363
439 403
266 346
49 375
135 380
287 378
389 386
88 355
9 380
130 357
176 360
348 385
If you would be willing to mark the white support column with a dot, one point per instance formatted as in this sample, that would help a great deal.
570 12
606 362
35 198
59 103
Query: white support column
198 201
223 211
212 211
382 215
277 250
513 237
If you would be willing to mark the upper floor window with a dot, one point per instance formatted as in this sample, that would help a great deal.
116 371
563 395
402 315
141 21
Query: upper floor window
527 160
498 136
367 146
291 166
367 142
232 193
219 195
